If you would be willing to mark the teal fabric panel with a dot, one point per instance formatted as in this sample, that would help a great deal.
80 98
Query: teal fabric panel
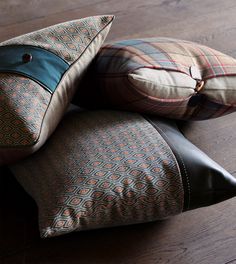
45 67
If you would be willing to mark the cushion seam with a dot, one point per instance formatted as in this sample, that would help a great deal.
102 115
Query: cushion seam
181 159
62 79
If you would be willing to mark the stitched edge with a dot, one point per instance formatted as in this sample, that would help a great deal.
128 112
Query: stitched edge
163 134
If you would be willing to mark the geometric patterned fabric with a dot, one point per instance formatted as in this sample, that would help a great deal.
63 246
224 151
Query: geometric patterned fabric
67 40
102 169
24 98
23 102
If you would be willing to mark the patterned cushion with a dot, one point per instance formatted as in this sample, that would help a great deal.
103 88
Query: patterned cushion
168 77
39 73
107 168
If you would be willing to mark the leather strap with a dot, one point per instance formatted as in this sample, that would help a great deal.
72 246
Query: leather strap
36 63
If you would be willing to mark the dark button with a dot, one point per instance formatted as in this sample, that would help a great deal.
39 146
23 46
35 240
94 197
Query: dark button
195 100
27 57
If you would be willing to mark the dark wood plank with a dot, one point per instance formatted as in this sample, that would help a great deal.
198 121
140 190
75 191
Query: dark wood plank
206 235
203 21
14 12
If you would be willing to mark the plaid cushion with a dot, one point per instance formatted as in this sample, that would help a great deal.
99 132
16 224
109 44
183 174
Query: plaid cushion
168 54
116 62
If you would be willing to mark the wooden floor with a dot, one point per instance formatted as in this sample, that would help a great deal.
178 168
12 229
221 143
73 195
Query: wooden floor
206 235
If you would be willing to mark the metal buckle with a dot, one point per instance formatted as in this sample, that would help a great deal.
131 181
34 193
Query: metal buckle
199 86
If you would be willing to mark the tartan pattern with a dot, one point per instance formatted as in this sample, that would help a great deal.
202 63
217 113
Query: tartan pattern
113 168
121 95
116 61
167 54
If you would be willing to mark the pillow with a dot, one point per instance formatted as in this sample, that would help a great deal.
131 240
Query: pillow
167 77
108 168
39 73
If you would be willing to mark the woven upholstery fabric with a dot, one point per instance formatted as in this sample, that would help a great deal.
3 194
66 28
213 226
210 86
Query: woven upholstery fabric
160 76
29 112
68 40
113 168
20 97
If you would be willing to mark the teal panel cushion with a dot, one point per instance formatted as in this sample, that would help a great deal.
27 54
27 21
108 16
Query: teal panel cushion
108 168
35 63
39 74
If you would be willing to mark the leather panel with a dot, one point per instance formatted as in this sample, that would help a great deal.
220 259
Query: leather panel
45 67
205 181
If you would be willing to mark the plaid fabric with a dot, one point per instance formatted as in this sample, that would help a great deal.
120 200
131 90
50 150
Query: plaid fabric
116 61
168 54
121 95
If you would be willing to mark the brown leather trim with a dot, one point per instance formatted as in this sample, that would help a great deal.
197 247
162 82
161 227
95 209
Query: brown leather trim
205 182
